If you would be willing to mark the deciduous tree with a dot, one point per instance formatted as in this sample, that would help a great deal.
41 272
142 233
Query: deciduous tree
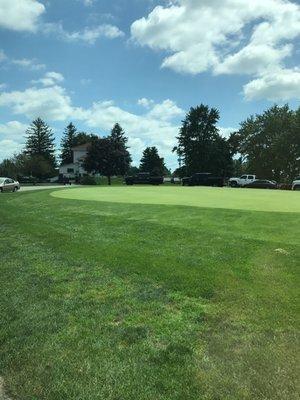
200 146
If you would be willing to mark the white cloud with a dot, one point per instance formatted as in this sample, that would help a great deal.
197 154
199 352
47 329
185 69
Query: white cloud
51 103
29 64
50 79
20 15
223 36
254 59
88 34
147 103
281 84
12 130
3 86
9 147
165 111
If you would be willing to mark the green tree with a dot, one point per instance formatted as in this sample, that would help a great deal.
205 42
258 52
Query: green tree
152 162
71 138
200 146
120 156
8 168
37 166
68 141
180 172
108 156
40 141
270 143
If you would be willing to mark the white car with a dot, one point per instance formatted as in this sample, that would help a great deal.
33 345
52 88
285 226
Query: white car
296 184
242 181
8 185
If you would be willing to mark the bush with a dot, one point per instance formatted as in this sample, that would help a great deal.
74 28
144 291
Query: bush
285 186
88 180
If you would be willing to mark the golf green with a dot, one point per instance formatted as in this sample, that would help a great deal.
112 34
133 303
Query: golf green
241 199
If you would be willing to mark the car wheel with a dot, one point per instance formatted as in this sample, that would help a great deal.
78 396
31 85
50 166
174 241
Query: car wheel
1 190
297 187
15 189
233 184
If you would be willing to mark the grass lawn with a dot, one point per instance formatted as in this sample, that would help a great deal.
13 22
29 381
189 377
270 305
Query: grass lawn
150 293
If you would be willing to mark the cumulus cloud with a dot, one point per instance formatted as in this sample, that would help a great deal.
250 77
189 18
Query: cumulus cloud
20 15
281 84
223 36
9 147
12 130
51 103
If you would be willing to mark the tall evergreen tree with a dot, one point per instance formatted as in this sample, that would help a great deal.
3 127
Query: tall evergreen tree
121 157
40 141
152 162
200 146
68 141
72 138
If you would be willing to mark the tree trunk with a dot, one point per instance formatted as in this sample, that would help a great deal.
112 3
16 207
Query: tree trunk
109 180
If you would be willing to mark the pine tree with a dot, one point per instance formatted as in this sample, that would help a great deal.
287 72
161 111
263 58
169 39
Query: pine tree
68 141
151 162
40 141
121 156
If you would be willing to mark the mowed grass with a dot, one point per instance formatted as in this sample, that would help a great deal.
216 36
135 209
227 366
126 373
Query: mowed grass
106 296
241 199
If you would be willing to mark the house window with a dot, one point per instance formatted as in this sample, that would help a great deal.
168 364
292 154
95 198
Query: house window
70 170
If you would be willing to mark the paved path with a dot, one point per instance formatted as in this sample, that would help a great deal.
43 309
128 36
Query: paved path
27 188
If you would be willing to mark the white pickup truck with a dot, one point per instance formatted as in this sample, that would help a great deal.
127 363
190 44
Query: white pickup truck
296 184
242 181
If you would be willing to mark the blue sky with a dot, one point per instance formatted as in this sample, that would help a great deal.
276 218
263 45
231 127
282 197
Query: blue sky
143 63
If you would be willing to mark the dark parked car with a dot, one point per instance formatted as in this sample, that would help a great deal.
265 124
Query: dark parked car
203 179
144 178
262 184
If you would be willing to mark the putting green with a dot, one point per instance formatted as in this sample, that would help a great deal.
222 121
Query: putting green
242 199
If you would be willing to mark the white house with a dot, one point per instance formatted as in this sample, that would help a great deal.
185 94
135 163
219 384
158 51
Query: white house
75 170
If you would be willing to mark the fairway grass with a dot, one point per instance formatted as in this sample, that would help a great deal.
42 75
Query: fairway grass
150 293
240 199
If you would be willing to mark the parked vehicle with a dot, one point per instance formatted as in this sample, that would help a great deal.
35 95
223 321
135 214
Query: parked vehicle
296 184
242 181
261 184
203 179
8 185
144 178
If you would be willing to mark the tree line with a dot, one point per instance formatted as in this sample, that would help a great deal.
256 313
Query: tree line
266 144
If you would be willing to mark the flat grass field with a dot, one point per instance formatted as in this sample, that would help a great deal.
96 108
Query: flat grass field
150 293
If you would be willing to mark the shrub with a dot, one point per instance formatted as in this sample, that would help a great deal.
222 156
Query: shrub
88 180
285 186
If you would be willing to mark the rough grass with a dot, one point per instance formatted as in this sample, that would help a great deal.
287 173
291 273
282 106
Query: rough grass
103 300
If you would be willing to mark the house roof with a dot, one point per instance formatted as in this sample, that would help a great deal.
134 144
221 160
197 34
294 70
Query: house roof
81 146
